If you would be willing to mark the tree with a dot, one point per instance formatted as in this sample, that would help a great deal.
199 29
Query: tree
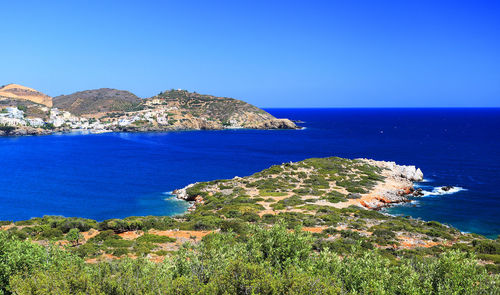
74 236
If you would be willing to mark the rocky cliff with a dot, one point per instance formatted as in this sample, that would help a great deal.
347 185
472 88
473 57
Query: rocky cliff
396 187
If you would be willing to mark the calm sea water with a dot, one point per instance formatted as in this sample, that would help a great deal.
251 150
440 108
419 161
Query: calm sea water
122 174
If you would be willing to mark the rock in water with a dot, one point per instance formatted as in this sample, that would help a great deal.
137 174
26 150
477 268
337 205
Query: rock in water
446 188
418 192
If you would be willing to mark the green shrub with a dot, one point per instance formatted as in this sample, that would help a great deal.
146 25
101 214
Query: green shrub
236 226
335 197
250 217
74 236
486 246
118 243
27 222
270 261
14 232
150 238
265 193
51 233
490 257
350 234
120 252
103 236
384 233
87 250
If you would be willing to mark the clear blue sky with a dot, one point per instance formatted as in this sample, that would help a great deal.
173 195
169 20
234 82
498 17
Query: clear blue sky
269 53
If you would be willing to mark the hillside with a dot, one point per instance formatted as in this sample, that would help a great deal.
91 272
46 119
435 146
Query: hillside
19 92
294 228
97 101
121 110
219 112
183 110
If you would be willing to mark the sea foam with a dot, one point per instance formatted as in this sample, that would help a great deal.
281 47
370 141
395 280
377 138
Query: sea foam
438 191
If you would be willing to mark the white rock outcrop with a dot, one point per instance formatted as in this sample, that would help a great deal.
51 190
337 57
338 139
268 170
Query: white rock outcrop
408 172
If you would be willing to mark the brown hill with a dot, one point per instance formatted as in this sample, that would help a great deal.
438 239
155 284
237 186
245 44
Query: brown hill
97 101
19 92
220 112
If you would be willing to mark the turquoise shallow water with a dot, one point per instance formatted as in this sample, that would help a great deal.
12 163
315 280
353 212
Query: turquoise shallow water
122 174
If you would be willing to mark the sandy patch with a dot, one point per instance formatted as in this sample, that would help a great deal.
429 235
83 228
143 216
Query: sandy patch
131 235
182 235
87 235
318 229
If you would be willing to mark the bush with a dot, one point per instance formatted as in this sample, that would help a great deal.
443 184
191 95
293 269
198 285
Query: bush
16 233
74 236
120 252
118 243
87 250
250 217
350 234
384 233
271 261
66 224
117 225
335 197
236 226
150 238
486 246
51 233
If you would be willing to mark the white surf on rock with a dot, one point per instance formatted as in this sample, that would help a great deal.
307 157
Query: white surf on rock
441 190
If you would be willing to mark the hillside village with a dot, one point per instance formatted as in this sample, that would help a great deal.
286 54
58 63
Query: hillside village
13 116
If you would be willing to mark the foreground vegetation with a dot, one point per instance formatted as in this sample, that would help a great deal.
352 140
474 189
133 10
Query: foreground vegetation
279 231
266 261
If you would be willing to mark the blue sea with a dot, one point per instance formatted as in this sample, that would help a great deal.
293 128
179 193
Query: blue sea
110 175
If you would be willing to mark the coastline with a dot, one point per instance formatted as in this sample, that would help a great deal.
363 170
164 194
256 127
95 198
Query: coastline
29 131
396 188
266 198
469 210
181 194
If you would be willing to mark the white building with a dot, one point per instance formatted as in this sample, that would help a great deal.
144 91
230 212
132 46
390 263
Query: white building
12 121
13 112
36 122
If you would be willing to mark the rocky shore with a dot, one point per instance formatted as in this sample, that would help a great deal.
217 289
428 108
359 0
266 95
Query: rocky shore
200 124
24 130
267 125
397 186
194 201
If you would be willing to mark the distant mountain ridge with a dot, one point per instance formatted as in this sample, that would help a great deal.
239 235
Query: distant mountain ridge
19 92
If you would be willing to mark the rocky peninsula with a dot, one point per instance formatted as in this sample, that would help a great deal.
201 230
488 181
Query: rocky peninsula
361 182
